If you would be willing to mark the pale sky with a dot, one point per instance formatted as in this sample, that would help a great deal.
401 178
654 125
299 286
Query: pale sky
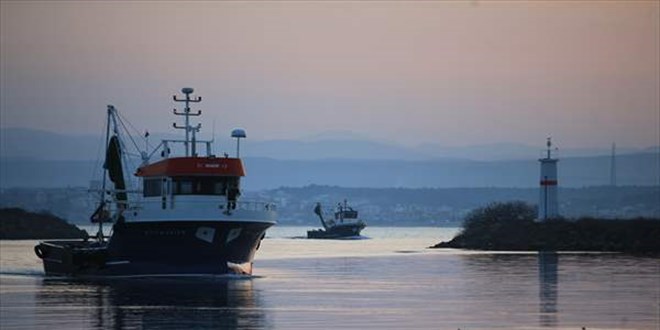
451 73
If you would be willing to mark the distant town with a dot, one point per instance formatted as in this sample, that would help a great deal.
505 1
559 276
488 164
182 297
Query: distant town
379 206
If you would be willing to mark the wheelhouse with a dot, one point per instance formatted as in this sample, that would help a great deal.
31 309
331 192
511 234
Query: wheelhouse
192 176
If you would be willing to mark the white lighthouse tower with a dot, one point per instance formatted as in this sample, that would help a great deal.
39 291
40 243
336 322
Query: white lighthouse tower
548 204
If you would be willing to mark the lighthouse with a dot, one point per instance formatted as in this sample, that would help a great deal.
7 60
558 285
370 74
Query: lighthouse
548 205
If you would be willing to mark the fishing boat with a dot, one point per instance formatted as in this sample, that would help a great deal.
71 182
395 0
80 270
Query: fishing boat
344 225
185 218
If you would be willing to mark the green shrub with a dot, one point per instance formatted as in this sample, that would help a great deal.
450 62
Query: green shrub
512 226
501 225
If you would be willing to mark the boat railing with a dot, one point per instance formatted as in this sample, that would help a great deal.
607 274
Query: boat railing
255 206
247 205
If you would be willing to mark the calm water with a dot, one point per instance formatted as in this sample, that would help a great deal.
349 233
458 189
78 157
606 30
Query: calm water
387 281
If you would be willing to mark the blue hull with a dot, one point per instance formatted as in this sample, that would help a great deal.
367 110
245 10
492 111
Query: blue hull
338 231
184 248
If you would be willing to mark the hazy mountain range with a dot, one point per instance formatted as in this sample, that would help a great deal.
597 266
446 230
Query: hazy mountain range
41 159
20 142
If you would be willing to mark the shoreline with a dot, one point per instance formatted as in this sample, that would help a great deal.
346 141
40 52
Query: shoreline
635 236
19 224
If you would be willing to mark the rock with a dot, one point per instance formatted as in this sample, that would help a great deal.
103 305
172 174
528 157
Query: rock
16 223
511 227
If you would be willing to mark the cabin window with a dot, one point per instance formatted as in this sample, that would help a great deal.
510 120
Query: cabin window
195 185
152 187
185 187
219 188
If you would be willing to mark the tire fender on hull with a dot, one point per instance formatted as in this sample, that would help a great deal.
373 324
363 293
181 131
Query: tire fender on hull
40 251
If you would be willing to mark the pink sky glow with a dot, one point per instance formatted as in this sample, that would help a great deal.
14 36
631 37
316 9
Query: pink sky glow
451 73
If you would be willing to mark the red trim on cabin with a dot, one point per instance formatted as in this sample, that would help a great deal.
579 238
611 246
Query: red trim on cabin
183 166
548 182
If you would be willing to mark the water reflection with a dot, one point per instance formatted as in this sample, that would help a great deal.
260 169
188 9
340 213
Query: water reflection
155 303
548 261
439 289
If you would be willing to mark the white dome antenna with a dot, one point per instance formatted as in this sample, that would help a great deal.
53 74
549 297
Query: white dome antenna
238 134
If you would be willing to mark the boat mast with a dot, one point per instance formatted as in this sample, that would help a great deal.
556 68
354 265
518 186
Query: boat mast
186 112
99 234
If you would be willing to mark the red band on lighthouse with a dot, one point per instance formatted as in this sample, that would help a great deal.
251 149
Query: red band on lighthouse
548 182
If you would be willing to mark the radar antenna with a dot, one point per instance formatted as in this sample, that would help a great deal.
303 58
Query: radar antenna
186 112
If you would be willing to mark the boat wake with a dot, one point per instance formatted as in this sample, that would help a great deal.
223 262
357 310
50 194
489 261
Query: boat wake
349 238
22 272
39 273
297 237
